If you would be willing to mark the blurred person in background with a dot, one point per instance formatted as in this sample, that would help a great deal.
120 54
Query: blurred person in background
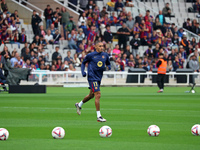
135 43
48 12
166 10
56 55
123 34
65 19
35 23
162 69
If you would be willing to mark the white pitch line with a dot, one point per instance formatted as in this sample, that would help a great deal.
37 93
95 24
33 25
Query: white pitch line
52 108
92 109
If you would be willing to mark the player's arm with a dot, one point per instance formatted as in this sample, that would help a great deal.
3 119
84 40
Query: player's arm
158 63
108 62
85 60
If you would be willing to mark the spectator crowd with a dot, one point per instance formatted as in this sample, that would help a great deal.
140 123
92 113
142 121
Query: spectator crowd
95 25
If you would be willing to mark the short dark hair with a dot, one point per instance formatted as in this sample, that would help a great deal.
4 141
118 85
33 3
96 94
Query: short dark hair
107 25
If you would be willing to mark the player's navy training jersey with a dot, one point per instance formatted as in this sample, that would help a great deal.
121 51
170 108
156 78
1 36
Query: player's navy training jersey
96 65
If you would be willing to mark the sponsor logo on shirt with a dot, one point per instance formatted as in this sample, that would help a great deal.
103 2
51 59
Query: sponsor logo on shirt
99 64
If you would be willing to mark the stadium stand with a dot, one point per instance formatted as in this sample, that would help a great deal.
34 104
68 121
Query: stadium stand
169 34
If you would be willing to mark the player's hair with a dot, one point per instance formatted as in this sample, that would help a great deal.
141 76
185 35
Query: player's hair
97 42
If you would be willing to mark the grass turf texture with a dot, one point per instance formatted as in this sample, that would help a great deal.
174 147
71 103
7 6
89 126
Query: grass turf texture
129 111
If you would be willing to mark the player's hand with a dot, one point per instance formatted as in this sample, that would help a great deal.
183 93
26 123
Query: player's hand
109 68
84 74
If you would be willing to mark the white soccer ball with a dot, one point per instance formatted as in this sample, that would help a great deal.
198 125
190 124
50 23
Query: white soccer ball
196 129
193 91
105 131
4 134
153 130
58 133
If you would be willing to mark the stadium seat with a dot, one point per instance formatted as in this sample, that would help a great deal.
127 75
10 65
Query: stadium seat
113 29
10 49
168 1
148 4
100 4
142 8
174 20
154 5
15 46
64 42
135 12
188 5
167 19
161 5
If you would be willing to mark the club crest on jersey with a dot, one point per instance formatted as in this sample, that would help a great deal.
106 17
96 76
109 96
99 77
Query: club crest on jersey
103 56
99 64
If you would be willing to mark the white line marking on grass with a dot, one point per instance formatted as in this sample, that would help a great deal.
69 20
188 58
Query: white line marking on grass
52 108
110 109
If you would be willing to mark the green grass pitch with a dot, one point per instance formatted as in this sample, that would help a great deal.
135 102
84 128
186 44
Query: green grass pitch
129 111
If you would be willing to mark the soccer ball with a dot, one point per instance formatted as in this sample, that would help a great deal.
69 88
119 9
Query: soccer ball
58 133
105 131
4 134
196 129
193 91
153 130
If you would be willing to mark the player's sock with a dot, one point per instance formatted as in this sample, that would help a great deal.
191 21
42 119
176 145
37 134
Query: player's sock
80 104
161 89
98 114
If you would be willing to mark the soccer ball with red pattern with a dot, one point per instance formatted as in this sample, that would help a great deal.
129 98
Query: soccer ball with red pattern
153 130
58 133
196 129
105 131
4 134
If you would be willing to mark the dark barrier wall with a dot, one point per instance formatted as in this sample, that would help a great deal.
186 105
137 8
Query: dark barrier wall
27 88
134 78
183 78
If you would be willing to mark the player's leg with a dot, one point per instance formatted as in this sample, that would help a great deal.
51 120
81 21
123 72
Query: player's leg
163 82
86 98
97 104
97 101
159 82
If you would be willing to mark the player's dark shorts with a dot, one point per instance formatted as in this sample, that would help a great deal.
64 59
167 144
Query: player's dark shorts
94 85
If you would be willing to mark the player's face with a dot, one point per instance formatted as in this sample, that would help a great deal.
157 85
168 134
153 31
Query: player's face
99 47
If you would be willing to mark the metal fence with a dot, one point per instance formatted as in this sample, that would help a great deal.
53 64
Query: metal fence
110 78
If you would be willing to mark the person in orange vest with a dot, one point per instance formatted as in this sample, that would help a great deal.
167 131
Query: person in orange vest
162 69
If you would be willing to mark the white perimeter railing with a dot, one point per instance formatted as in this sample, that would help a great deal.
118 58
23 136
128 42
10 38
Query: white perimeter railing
26 7
109 78
66 6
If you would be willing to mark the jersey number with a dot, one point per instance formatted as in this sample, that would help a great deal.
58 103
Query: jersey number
95 83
